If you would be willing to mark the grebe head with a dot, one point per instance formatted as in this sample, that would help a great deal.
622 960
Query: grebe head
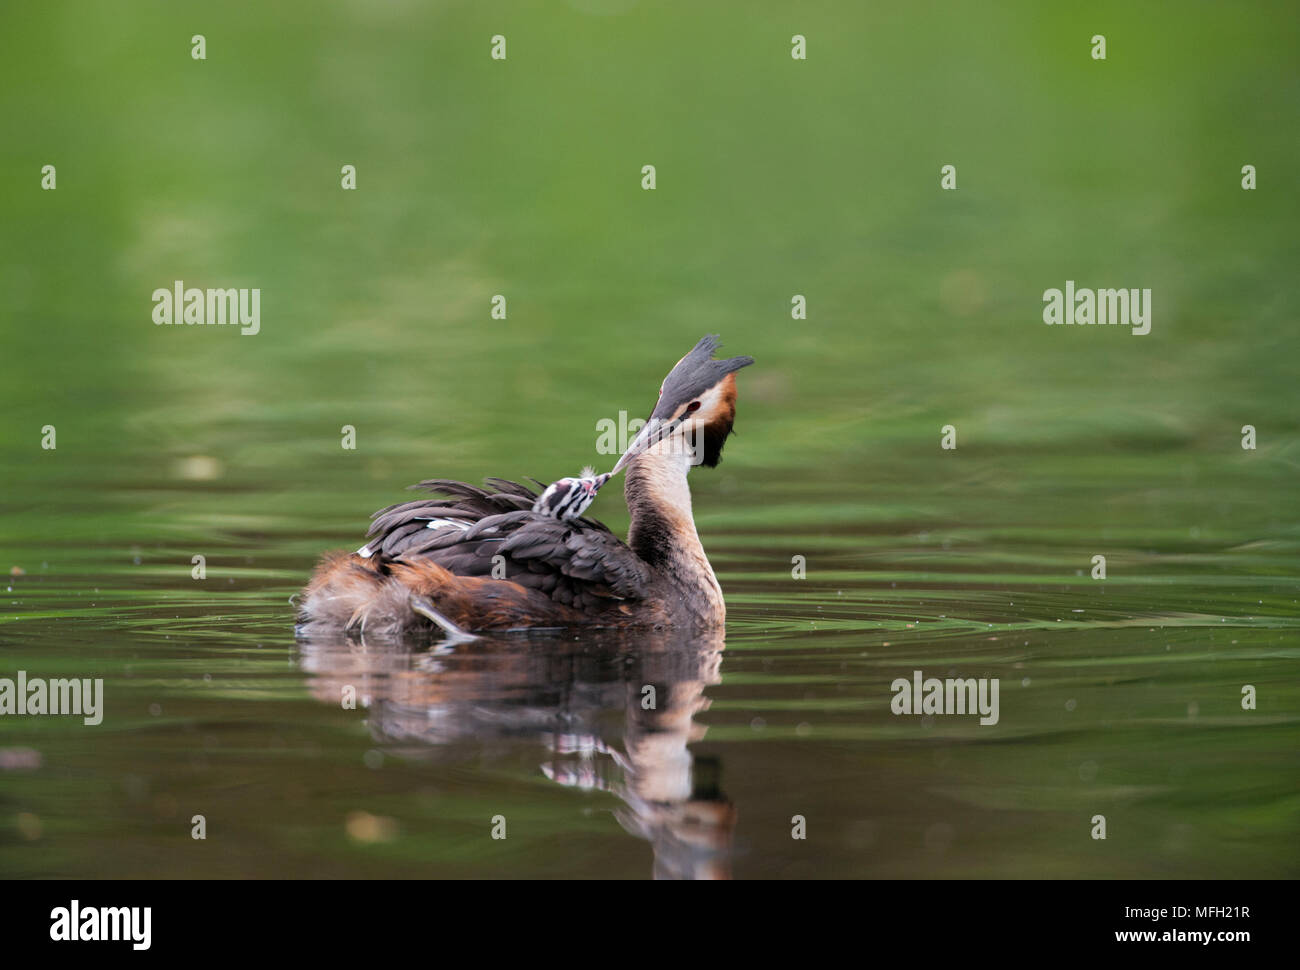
569 497
696 409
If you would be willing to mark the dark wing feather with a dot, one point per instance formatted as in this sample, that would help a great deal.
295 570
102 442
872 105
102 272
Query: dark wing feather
578 562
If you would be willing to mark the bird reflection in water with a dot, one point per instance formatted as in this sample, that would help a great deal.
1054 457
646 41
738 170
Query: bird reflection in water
564 694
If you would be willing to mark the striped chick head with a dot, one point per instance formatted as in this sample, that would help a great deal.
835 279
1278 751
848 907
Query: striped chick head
570 497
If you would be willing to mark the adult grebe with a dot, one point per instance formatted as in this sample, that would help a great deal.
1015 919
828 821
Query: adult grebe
505 558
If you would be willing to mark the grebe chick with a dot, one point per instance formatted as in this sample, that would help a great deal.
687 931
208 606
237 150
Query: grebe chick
570 497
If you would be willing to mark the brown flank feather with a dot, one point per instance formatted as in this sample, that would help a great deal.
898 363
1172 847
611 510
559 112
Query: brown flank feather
366 597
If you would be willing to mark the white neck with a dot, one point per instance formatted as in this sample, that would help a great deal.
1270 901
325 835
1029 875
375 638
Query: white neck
663 527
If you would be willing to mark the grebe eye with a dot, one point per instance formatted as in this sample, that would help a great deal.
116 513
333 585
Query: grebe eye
693 406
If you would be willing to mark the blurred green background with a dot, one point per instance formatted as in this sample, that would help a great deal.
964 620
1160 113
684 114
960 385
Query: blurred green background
522 177
775 177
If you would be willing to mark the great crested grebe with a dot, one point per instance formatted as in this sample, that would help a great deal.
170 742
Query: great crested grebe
505 558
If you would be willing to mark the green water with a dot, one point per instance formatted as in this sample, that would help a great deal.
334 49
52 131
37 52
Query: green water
1119 697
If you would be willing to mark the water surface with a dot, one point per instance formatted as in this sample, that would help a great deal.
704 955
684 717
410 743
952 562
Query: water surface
1118 697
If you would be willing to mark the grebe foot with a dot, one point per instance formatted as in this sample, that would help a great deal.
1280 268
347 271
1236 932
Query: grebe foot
427 610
